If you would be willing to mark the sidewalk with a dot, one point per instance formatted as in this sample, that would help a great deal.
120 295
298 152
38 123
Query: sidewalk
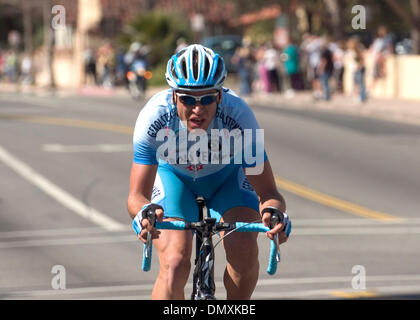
405 111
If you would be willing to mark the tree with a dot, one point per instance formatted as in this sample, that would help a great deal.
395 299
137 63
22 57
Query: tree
335 9
158 30
413 18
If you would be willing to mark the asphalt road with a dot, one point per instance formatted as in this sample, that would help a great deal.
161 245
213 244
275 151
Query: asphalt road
351 185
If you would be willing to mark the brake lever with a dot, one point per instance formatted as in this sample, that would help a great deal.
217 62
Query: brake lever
275 220
151 216
276 242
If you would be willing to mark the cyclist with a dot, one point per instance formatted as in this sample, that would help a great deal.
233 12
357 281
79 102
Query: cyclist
198 102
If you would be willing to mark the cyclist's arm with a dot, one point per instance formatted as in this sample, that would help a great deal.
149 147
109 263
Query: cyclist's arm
266 189
142 178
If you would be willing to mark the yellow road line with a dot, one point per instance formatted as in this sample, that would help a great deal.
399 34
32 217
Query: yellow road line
333 202
281 183
74 123
354 294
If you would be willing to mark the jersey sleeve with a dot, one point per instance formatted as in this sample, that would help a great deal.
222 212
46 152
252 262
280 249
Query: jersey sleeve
144 147
152 118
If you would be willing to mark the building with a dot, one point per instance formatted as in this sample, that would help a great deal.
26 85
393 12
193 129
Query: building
89 23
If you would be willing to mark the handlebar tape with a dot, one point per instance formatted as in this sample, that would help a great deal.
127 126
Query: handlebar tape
242 227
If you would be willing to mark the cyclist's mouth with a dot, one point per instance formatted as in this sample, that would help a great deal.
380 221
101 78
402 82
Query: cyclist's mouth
196 123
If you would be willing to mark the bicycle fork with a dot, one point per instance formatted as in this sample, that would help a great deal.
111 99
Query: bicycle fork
203 278
204 287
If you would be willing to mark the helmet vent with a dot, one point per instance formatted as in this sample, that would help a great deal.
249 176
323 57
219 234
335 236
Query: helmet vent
173 71
218 69
180 53
206 68
184 68
195 64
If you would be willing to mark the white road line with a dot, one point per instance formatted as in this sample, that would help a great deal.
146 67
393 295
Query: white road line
87 148
67 242
376 292
59 194
220 287
355 231
350 222
75 291
57 241
54 232
323 225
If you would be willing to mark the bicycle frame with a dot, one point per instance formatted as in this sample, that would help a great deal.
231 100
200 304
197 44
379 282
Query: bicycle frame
203 276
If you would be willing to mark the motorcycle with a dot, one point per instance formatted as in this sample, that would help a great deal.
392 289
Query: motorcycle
137 77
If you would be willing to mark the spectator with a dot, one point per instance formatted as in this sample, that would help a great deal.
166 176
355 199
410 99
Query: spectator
355 51
120 68
1 65
264 81
380 48
26 70
105 64
325 70
290 57
90 67
271 59
313 48
244 59
338 58
11 66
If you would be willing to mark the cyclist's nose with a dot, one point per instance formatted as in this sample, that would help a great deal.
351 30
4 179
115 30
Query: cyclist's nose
198 108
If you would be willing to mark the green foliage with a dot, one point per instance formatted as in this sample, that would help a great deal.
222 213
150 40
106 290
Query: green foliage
158 78
261 31
160 31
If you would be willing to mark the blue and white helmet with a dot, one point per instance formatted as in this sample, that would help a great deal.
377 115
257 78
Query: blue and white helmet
196 68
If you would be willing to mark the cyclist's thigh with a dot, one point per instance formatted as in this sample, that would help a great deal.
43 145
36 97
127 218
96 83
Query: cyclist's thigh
241 247
242 214
235 201
174 196
235 192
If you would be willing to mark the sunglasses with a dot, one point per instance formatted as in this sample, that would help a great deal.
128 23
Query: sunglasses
204 100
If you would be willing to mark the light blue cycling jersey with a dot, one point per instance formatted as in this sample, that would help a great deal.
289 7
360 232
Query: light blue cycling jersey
159 117
180 179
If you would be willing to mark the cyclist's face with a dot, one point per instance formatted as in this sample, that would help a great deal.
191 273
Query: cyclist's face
197 114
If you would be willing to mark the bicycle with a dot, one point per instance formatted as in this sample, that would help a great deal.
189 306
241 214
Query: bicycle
203 277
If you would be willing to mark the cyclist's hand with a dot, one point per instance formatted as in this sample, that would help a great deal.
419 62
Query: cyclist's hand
146 228
279 228
147 223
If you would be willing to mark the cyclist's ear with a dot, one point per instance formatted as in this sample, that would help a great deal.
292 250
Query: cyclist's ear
173 97
219 97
